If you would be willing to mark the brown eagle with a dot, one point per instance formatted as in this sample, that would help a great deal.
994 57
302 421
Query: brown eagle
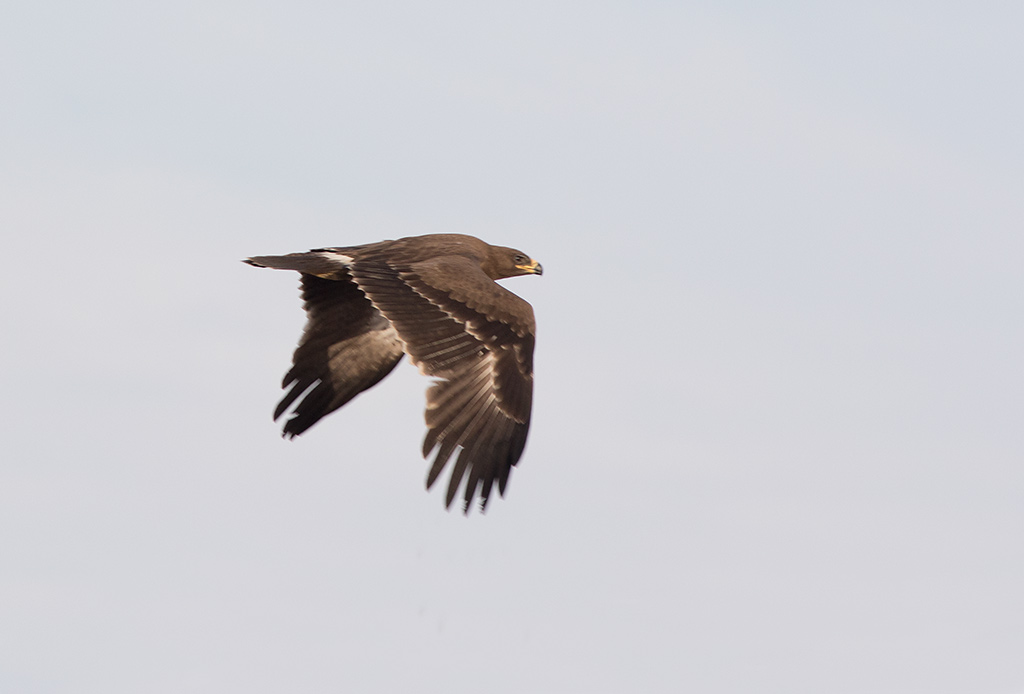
434 298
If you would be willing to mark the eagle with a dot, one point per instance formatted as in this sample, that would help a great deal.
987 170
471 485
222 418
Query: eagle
434 298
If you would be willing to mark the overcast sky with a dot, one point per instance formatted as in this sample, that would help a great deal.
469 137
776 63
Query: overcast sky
778 432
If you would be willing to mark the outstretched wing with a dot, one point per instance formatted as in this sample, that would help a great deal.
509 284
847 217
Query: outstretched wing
477 339
347 345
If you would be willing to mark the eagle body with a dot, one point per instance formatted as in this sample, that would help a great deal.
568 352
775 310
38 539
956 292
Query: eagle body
434 298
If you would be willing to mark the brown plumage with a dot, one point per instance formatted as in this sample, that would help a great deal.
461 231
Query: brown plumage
434 298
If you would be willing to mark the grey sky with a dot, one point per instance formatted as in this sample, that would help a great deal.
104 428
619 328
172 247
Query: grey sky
777 441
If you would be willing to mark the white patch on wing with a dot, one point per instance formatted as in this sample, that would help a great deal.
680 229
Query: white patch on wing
336 257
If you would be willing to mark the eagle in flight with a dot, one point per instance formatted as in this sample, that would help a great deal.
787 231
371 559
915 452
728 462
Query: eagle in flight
435 298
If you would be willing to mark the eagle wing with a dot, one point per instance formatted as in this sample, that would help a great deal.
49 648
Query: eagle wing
346 347
476 338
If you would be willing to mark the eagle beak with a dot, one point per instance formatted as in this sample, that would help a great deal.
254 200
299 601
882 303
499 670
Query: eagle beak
532 267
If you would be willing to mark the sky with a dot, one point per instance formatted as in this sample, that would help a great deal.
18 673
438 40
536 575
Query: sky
777 439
